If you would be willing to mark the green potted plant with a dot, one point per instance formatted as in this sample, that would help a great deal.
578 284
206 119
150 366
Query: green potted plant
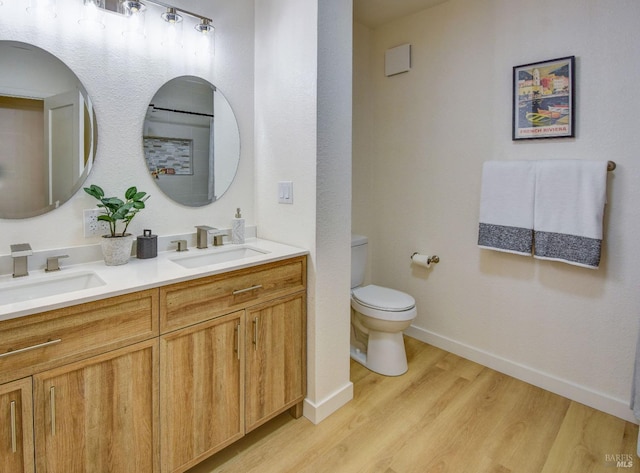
116 246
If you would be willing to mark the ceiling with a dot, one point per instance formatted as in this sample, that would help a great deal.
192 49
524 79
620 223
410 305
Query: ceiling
373 13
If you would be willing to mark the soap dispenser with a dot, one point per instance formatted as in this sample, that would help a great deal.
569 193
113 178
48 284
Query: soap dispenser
237 228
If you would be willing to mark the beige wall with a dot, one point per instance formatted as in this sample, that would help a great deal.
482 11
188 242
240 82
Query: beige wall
420 139
363 215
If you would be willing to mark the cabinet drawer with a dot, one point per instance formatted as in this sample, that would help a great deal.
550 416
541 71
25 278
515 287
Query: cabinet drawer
191 302
42 341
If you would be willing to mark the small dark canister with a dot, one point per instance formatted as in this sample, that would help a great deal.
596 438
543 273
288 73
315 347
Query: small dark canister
147 246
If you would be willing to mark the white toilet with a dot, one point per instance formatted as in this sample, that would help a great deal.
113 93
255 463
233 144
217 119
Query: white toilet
378 317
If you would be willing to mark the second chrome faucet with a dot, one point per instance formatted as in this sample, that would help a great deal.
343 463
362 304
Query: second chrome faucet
19 253
202 236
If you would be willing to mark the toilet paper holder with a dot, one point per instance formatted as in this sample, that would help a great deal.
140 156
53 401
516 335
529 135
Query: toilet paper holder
430 259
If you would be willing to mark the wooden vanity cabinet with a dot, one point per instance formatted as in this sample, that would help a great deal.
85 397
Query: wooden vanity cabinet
201 390
233 355
16 427
156 380
201 299
94 369
53 338
99 415
276 359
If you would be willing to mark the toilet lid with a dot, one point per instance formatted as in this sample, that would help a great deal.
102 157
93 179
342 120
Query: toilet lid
383 298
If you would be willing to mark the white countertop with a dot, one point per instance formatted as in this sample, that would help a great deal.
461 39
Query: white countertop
136 275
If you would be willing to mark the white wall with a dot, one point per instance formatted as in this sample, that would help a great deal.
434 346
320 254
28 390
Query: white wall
121 80
301 95
333 213
568 329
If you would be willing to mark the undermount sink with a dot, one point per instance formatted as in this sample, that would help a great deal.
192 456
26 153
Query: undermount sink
217 256
21 290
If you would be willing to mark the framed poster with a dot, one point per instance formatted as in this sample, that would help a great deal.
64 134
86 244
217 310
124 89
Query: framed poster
543 99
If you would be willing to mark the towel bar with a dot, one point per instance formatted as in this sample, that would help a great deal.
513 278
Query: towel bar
611 165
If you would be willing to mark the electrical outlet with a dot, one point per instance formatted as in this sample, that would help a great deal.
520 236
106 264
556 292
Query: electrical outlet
92 226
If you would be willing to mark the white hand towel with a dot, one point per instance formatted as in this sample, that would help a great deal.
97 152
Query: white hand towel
506 206
569 207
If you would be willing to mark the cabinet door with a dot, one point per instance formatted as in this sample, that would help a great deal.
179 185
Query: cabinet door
99 415
200 390
276 358
16 427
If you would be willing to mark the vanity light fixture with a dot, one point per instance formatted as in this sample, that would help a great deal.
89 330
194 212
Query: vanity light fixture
205 43
92 14
133 7
204 26
173 34
171 16
134 11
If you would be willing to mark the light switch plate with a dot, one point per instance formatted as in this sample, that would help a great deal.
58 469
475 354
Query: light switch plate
285 192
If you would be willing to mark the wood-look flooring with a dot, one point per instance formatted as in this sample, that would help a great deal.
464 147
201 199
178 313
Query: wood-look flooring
446 414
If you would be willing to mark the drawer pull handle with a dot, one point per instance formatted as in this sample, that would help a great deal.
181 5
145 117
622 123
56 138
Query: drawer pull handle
238 340
255 334
52 406
33 347
247 289
14 447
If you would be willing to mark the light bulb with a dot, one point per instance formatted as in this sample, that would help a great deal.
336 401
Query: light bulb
134 23
173 35
204 44
92 14
171 16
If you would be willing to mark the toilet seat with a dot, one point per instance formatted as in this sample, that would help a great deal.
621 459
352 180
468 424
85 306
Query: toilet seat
383 303
383 298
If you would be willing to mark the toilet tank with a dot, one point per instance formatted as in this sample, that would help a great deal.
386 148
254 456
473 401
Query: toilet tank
358 259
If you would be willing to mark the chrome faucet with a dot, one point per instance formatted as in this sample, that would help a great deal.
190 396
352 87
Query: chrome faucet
203 235
217 238
53 263
182 245
19 253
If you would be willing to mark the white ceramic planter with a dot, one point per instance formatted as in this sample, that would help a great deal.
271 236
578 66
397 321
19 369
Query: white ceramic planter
117 250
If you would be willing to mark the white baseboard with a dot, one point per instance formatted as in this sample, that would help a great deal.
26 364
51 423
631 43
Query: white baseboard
575 392
317 412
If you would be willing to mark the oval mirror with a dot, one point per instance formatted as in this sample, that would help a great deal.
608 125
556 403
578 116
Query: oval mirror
191 141
48 131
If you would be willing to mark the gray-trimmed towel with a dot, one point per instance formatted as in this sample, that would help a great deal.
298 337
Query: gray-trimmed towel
506 206
570 196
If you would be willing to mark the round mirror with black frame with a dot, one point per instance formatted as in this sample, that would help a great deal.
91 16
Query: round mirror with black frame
191 141
48 131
